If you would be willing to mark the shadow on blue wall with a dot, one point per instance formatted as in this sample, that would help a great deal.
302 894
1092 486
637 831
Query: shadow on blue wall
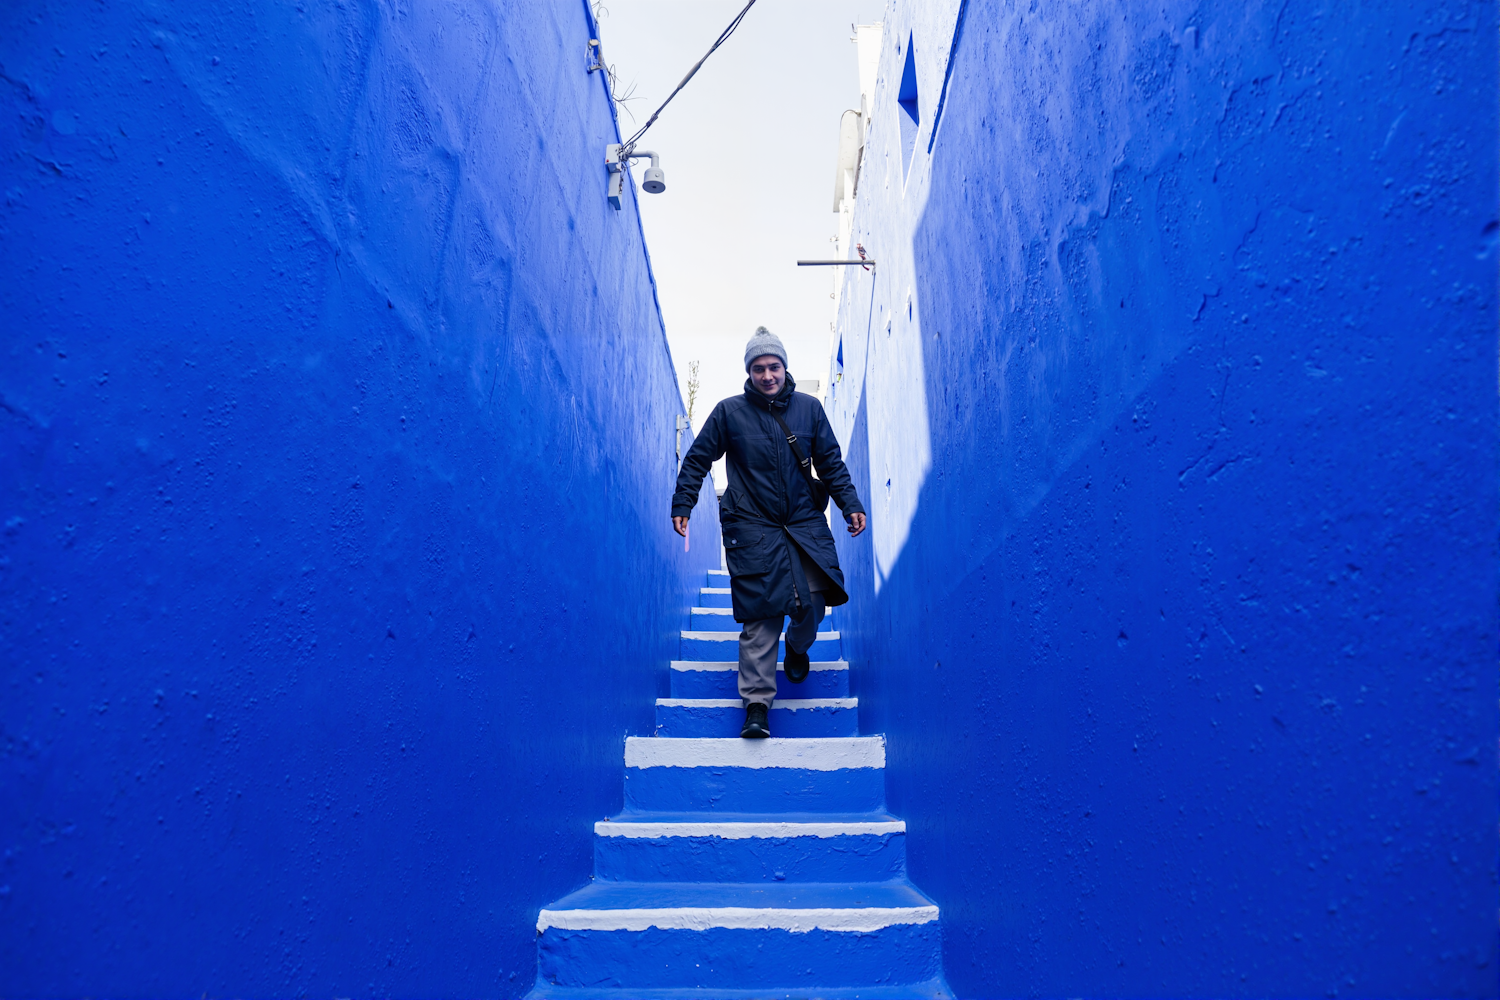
336 443
1188 664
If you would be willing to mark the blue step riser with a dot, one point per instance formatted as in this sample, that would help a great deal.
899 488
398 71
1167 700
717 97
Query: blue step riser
726 684
726 623
864 858
715 601
754 789
729 649
796 961
676 720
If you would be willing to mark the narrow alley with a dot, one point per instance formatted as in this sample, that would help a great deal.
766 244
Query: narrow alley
353 361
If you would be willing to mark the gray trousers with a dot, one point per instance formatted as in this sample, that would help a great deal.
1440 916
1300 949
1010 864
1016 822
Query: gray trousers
758 641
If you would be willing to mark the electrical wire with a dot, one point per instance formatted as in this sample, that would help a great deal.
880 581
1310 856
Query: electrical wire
629 144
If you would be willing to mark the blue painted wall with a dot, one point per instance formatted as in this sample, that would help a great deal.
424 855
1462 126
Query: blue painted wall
1175 398
336 444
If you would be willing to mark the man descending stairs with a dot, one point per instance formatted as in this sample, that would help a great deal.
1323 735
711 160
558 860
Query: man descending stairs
746 868
773 515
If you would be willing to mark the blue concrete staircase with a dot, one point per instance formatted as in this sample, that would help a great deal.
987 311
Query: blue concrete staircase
746 868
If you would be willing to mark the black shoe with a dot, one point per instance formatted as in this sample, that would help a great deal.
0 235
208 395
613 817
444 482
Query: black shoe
756 727
797 666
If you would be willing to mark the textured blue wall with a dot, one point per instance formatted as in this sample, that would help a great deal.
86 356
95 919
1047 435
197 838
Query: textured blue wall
1187 657
336 443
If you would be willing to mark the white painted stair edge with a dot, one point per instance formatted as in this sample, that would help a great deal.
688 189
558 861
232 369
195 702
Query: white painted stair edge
727 665
787 704
864 919
814 753
714 611
748 831
734 636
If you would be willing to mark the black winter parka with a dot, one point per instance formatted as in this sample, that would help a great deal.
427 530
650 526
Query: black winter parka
767 510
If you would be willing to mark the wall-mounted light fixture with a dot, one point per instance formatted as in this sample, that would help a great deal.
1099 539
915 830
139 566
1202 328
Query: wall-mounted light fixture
617 156
617 161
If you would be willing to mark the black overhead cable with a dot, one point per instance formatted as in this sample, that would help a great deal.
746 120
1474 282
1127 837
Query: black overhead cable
630 143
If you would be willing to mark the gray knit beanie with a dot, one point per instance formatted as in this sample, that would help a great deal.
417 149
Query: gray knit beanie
762 343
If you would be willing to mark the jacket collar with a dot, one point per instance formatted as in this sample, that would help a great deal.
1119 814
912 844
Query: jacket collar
780 400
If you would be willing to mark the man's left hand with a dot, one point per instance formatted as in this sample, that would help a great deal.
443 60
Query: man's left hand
856 524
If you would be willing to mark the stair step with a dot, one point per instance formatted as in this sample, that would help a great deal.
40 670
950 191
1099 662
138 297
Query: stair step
934 989
781 774
710 619
788 717
714 597
745 869
801 906
710 645
721 679
768 935
857 849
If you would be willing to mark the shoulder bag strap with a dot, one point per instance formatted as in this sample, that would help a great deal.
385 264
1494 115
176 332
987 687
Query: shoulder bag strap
803 463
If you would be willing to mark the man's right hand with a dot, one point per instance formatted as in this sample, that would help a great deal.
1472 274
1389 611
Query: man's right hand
856 525
680 523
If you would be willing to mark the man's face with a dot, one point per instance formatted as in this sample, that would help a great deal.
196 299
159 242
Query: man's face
767 374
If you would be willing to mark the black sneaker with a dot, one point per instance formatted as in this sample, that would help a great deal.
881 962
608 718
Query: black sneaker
797 666
756 726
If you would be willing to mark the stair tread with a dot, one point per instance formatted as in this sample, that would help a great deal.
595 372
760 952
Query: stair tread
928 990
666 816
817 753
896 894
791 704
703 609
735 665
692 633
710 618
772 826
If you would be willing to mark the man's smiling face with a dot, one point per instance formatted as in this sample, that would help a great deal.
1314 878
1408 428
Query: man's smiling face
768 374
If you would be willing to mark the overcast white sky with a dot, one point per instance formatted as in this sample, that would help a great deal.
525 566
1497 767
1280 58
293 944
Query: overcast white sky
748 149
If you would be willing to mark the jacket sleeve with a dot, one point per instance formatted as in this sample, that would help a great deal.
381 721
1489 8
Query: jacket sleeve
829 461
708 448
